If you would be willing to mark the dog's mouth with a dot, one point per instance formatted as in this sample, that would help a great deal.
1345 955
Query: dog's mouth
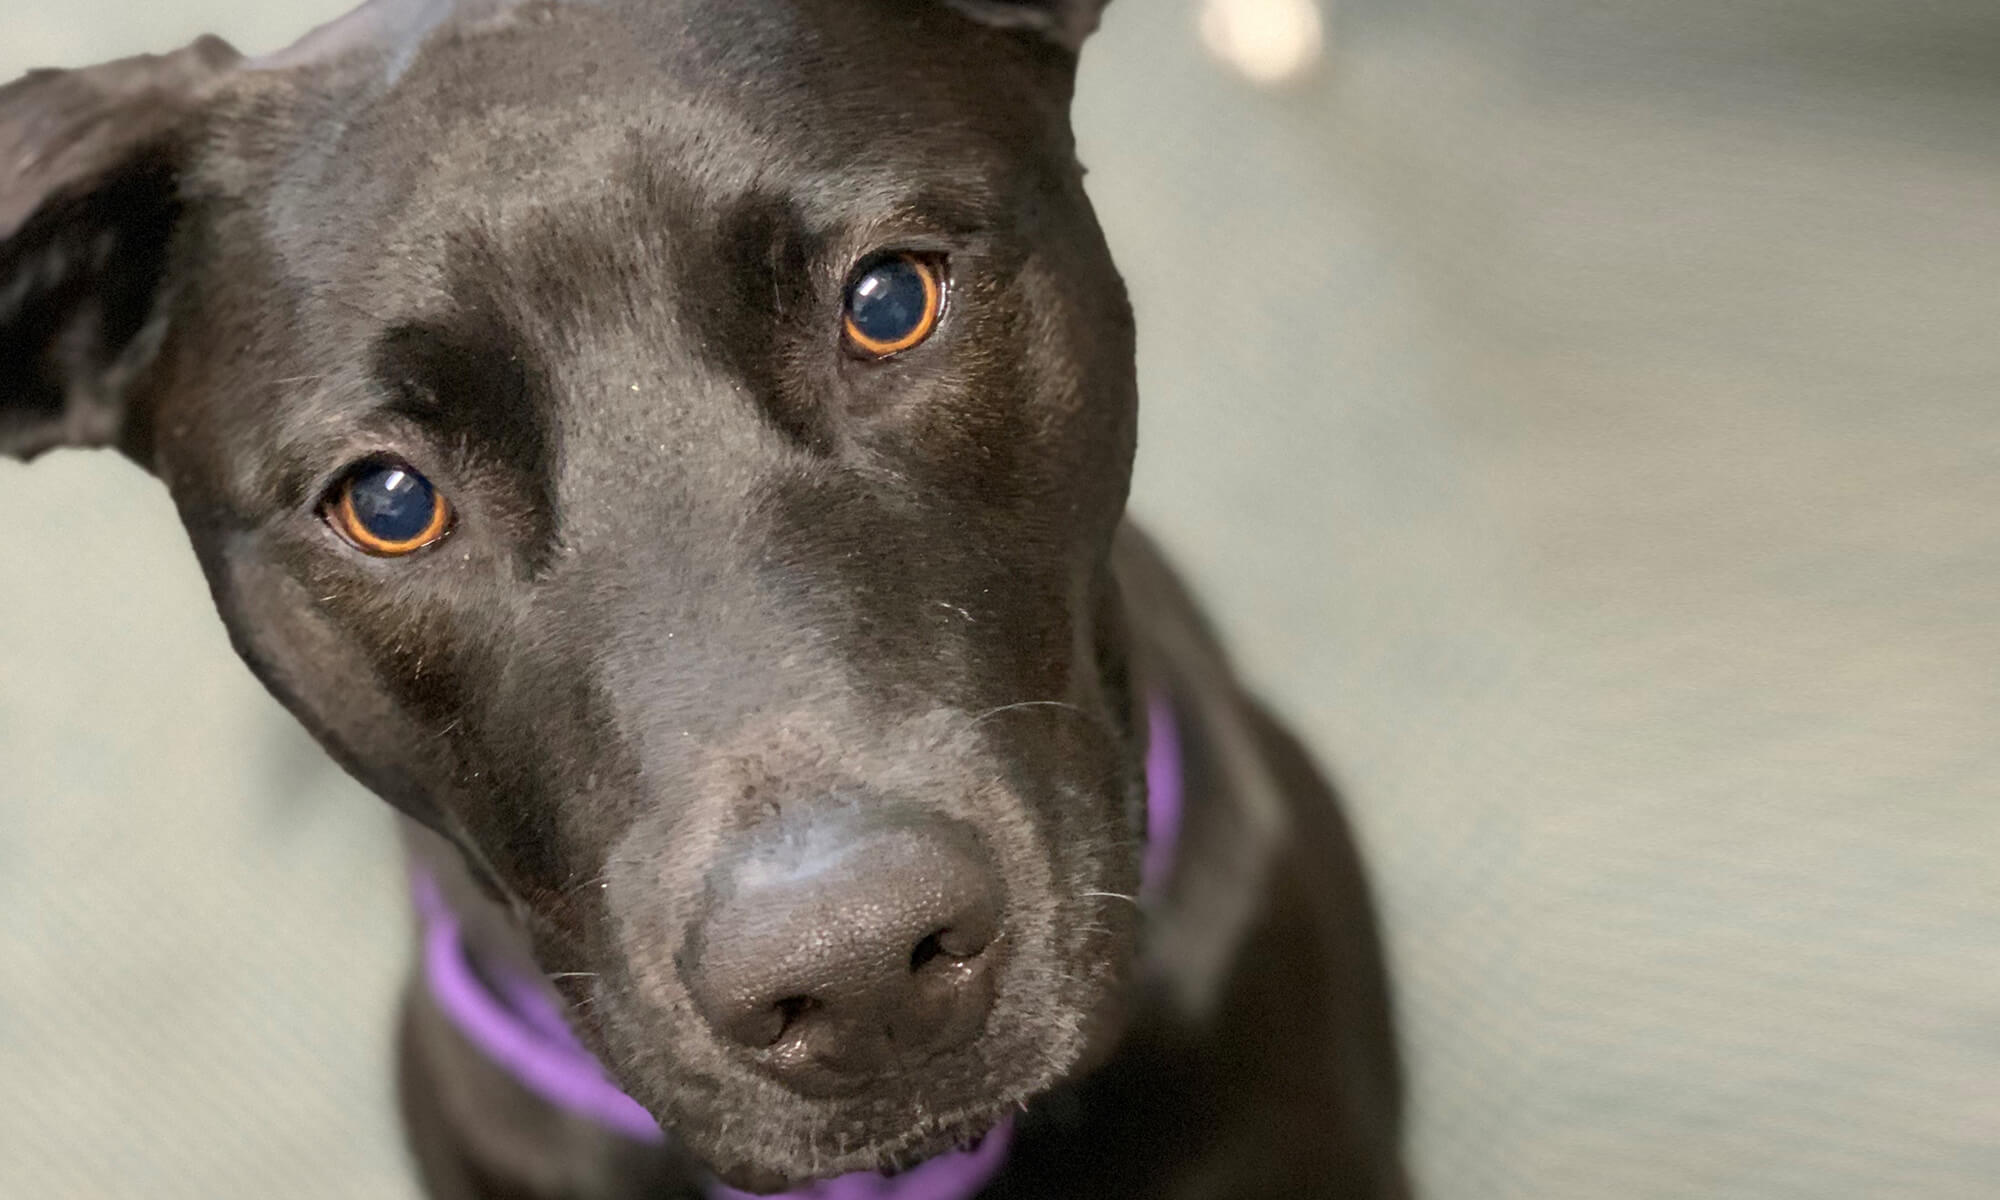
960 1170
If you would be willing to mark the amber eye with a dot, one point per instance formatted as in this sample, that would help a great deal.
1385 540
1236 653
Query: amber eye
893 304
387 509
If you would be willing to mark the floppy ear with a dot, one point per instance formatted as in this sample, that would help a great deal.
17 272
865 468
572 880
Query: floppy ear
90 164
1065 22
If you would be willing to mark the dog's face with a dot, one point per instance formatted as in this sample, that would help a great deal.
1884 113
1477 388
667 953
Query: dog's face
673 450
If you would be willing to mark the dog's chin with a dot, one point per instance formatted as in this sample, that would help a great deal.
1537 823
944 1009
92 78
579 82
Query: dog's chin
900 1147
890 1158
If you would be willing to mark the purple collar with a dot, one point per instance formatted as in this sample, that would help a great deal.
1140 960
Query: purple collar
515 1021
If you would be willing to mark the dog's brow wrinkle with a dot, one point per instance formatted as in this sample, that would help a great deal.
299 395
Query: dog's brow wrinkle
353 307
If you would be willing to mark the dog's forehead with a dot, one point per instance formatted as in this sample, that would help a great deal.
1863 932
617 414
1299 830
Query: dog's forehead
430 115
822 67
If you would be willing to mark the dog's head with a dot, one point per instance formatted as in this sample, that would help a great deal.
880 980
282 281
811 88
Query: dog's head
672 449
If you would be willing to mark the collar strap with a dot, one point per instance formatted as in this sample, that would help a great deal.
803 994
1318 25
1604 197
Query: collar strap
514 1020
1166 780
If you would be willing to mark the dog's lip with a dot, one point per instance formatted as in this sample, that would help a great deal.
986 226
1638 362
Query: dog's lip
757 1181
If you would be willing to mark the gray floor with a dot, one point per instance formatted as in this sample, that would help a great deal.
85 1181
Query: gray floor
1584 419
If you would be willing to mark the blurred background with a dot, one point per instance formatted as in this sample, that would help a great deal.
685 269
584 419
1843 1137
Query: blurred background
1583 417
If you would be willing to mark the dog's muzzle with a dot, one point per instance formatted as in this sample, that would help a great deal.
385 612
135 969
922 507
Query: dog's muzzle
806 993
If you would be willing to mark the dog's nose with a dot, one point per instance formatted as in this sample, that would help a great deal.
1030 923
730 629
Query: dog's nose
843 954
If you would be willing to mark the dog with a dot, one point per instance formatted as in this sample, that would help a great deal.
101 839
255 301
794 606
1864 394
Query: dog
675 452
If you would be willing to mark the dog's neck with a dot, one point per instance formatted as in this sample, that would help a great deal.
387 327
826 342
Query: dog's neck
516 1021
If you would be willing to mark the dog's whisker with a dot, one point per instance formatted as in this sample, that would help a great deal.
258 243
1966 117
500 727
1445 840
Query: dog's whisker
1024 704
602 878
1132 900
959 609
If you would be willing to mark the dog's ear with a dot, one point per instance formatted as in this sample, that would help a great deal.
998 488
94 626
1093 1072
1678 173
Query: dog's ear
1065 22
90 167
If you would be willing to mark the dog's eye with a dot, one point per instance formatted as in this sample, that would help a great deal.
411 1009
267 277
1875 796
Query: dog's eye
893 304
387 509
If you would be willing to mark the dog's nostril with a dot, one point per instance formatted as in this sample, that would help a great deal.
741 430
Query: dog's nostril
841 952
790 1009
760 1027
953 944
927 950
765 1027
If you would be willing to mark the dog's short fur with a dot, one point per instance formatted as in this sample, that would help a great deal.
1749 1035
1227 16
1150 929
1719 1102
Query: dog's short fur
581 262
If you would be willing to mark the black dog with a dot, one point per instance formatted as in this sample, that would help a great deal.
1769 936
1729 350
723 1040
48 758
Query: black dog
675 451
